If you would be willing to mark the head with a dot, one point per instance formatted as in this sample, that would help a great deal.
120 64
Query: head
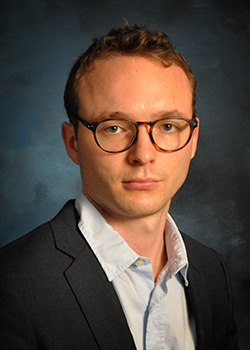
136 75
128 41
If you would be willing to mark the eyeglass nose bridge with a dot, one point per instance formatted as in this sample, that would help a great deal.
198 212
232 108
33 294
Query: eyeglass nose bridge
149 131
151 124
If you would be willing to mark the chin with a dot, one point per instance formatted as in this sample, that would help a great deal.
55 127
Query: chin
143 208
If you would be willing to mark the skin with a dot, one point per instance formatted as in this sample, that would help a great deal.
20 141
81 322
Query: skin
132 189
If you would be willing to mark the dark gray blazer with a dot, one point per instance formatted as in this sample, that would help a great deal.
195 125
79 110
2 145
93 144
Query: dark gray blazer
55 295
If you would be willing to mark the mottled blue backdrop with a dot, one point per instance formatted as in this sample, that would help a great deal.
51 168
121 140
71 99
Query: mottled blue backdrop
38 42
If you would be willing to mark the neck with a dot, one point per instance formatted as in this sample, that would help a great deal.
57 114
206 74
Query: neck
145 236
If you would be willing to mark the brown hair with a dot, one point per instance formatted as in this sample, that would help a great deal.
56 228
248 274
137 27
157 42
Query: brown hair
131 41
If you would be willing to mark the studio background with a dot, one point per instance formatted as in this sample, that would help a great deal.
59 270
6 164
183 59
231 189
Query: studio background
39 41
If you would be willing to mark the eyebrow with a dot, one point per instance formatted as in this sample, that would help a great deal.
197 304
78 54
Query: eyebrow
121 115
169 114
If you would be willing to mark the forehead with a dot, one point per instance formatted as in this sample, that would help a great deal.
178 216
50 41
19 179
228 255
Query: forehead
132 82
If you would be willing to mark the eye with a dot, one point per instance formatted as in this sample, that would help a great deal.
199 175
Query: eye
120 128
167 127
113 129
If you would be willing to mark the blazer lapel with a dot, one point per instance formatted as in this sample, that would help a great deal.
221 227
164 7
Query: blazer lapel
198 298
199 301
94 293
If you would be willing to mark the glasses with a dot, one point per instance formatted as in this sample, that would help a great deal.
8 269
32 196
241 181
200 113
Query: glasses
117 135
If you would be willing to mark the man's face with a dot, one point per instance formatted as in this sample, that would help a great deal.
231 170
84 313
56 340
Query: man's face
141 181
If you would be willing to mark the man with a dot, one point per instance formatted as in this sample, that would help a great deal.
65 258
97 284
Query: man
112 270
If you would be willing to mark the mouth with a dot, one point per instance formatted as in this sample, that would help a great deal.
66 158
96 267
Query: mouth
141 183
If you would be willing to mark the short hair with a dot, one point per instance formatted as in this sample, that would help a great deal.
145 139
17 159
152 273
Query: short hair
128 41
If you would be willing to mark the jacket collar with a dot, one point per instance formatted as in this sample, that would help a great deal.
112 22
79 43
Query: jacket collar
68 238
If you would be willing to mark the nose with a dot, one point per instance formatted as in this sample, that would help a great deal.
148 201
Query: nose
142 151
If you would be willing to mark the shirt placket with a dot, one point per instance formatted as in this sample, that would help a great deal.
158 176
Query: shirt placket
153 334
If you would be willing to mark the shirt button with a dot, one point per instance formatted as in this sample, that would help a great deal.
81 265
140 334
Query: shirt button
139 263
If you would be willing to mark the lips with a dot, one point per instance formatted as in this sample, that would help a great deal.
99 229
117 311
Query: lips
141 183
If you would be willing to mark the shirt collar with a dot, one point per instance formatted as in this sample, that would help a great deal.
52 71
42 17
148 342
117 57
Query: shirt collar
176 250
112 251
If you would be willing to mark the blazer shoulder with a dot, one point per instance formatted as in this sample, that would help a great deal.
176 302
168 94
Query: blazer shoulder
198 251
37 243
32 240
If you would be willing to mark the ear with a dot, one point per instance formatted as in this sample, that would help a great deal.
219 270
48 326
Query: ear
70 141
195 139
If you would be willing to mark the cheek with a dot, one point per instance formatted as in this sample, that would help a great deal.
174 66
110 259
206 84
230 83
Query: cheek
97 167
178 165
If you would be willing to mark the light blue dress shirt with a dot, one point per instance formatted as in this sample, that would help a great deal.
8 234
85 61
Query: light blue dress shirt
157 313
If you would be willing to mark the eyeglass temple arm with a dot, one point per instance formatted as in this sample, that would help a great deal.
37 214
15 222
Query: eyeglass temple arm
90 126
193 123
